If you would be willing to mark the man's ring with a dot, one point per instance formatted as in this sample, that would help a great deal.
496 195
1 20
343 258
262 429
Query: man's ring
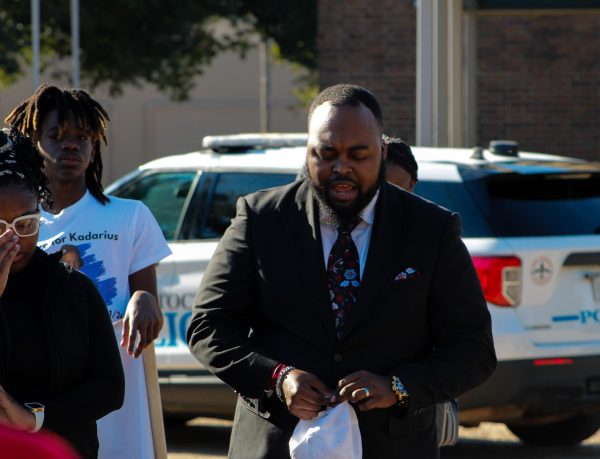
367 393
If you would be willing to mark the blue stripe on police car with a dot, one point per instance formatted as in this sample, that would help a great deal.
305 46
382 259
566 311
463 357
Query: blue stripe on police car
585 316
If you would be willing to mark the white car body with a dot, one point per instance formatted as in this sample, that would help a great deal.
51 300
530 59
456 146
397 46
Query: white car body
553 330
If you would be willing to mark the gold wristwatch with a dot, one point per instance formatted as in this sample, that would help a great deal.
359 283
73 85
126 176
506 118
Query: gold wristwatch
400 392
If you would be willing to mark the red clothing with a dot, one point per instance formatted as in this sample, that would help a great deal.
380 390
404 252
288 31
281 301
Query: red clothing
16 444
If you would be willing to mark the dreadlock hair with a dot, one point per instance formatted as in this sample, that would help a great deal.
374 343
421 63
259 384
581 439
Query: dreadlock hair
28 116
21 166
348 94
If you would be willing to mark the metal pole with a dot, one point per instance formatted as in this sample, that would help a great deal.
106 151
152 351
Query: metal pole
455 74
264 86
424 107
440 73
470 80
75 42
35 42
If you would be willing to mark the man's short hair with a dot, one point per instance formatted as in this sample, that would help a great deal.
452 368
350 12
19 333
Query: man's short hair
399 153
348 94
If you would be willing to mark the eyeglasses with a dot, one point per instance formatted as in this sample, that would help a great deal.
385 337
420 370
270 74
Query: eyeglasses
24 226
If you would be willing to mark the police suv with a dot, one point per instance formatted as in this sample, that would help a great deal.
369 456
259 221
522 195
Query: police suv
530 221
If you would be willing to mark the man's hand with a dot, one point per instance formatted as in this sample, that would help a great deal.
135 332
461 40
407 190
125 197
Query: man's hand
144 317
366 390
13 414
305 394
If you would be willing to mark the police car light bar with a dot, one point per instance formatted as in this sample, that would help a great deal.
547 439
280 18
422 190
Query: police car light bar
254 140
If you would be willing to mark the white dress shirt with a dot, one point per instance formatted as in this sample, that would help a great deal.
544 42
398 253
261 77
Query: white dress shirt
361 234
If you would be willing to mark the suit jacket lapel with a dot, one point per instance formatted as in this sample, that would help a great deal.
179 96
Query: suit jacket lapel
384 248
309 254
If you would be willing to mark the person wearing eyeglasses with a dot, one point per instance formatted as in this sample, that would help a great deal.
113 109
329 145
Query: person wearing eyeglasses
60 367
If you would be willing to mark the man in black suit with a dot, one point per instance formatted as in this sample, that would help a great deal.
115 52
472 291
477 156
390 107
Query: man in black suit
342 287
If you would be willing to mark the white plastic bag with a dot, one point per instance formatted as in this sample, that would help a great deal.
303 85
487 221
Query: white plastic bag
333 434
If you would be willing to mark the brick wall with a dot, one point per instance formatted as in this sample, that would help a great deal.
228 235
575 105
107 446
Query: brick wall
372 44
539 82
538 75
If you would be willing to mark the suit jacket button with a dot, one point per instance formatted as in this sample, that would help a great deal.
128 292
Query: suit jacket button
337 357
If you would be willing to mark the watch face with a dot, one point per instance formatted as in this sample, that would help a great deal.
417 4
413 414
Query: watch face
34 406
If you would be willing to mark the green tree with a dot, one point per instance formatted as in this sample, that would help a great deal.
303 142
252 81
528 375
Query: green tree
163 42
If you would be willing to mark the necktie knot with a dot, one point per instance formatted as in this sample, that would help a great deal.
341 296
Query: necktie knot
346 229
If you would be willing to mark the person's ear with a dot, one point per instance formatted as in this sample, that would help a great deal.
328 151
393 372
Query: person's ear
383 150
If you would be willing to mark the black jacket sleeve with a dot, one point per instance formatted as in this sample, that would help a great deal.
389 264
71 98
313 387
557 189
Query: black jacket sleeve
225 306
103 387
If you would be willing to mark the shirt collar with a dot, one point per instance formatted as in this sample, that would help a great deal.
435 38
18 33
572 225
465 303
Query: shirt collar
367 214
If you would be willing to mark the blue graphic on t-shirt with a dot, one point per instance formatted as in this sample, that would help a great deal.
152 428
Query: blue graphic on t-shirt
94 269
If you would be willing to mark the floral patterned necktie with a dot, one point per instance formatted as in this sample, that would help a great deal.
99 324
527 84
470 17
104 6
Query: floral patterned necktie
343 273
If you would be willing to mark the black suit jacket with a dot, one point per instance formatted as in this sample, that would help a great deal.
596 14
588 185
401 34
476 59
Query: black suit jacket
264 300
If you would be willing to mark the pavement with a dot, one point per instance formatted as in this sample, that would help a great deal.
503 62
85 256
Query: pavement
204 438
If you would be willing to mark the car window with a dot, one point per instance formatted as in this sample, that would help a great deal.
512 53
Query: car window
516 205
214 204
454 196
164 193
540 204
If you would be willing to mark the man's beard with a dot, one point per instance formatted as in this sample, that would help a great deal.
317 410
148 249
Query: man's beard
333 214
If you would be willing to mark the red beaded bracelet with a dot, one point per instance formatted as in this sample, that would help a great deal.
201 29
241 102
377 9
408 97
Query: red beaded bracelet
276 371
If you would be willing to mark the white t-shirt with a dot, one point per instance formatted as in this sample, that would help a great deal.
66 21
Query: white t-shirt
113 241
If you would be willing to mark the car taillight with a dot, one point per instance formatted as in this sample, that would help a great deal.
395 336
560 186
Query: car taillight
500 279
552 362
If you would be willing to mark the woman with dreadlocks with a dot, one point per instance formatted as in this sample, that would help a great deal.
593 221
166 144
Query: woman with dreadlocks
59 362
119 243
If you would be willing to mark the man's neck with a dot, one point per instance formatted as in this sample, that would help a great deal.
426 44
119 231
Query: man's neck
65 195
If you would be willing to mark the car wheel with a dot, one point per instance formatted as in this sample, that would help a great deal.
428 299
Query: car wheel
567 432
